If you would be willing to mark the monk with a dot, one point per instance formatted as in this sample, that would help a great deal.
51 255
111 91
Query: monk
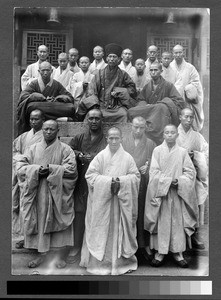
140 148
73 55
191 87
78 83
46 94
31 72
63 74
159 104
170 210
85 145
110 224
169 74
140 77
198 149
20 145
126 63
98 62
111 89
152 53
47 174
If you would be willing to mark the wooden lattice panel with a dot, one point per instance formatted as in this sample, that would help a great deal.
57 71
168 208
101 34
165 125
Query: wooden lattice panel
167 44
56 42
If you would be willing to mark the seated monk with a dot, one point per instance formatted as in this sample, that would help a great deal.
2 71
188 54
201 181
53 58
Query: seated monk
46 94
159 103
111 89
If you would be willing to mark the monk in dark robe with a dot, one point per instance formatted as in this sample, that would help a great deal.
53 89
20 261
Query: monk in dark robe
111 89
86 145
140 148
159 104
46 94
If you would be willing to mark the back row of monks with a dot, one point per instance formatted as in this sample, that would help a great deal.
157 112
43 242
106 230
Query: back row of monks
156 91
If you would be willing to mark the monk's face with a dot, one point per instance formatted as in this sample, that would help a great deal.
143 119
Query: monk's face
186 119
127 56
45 71
155 71
84 64
36 120
50 131
98 53
170 135
94 120
114 140
152 53
166 60
63 62
113 60
140 66
178 53
73 56
42 53
138 128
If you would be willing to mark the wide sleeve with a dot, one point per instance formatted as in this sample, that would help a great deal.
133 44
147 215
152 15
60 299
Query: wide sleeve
129 85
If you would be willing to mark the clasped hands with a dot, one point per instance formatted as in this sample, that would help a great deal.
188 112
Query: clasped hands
115 185
43 171
174 184
84 158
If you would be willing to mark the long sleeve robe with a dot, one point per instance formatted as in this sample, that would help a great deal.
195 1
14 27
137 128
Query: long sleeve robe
131 71
173 76
93 66
189 75
52 110
82 143
170 214
106 81
110 224
63 77
158 107
194 141
30 74
47 203
20 145
75 86
141 153
140 80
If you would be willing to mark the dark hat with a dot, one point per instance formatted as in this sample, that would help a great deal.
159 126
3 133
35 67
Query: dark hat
113 49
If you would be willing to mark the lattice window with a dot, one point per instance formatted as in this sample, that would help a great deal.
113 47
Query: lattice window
56 42
167 44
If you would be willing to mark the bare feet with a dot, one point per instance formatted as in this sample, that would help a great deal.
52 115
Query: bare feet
73 256
36 262
60 264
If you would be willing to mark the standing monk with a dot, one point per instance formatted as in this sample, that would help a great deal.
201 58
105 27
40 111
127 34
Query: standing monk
20 145
47 174
85 145
191 89
111 88
198 149
110 233
32 70
140 148
170 210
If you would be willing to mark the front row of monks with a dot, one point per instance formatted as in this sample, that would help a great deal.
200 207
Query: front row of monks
106 201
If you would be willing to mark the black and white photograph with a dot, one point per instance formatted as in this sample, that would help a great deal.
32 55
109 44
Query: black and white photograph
110 149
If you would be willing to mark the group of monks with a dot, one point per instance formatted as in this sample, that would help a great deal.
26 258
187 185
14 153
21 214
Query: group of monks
109 201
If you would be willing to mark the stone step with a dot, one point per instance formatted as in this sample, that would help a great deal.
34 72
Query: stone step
70 129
